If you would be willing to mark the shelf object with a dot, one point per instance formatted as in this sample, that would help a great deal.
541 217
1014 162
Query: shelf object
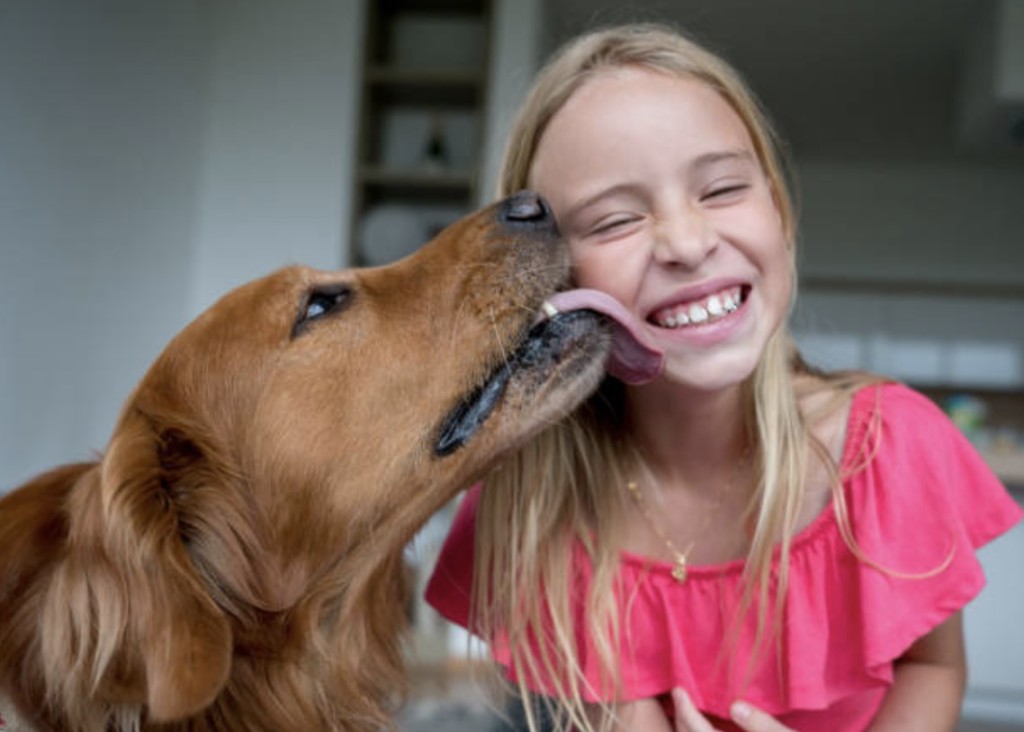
1008 465
1000 436
422 102
414 180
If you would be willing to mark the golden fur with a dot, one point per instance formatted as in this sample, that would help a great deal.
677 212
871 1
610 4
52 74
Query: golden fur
234 560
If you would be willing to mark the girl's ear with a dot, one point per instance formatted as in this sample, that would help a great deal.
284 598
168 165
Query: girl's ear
128 618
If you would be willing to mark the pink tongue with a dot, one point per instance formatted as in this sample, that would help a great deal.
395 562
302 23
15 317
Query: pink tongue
632 360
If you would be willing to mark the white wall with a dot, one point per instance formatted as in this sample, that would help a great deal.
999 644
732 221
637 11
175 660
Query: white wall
152 155
995 645
279 141
100 126
516 37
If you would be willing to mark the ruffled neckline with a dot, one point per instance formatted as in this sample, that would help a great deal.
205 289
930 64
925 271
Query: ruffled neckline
820 525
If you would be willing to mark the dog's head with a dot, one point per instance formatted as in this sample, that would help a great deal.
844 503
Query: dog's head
310 421
344 400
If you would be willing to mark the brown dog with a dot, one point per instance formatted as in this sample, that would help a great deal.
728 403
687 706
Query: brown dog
234 560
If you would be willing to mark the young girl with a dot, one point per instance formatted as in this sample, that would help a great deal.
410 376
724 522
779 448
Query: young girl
743 542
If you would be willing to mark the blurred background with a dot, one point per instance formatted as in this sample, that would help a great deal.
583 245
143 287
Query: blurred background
155 154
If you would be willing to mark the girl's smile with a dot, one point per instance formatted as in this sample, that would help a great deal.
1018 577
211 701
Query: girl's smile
704 315
700 310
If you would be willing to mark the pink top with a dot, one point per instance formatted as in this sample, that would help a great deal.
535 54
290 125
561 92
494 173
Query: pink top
926 498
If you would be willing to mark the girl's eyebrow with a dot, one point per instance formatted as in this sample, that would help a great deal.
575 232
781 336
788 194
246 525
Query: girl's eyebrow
711 158
588 201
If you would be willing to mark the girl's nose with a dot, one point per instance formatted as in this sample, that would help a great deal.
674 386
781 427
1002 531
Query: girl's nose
684 239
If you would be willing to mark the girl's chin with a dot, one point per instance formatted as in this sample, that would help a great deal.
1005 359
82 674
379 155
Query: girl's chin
707 375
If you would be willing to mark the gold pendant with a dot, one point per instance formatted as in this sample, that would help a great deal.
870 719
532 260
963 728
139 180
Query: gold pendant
679 571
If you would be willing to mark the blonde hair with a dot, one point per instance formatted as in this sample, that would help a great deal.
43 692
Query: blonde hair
564 489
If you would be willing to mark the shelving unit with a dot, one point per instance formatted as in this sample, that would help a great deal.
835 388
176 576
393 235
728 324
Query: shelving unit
947 338
422 106
989 290
423 96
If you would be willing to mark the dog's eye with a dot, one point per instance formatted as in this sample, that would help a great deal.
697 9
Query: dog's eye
321 302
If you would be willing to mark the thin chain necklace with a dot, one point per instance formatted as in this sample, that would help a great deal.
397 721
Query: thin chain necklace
679 562
680 559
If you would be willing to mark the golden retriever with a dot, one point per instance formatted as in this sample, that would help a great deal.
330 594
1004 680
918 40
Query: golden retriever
234 560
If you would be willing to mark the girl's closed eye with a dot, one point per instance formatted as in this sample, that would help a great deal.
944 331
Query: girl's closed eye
725 192
618 224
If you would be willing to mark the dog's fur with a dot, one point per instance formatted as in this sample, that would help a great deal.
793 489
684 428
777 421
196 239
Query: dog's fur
234 560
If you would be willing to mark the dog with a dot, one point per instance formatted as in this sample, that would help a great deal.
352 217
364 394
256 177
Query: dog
234 559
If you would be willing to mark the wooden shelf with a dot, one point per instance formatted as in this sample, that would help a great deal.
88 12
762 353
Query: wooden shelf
905 286
431 7
391 75
436 88
423 89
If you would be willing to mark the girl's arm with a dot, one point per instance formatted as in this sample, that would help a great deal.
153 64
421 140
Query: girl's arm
643 715
929 683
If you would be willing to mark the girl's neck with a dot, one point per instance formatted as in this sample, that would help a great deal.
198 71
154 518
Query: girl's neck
688 438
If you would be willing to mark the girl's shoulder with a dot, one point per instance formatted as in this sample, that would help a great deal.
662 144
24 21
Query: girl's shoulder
897 433
911 479
872 420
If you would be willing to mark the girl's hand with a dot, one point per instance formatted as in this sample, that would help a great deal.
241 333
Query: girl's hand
749 718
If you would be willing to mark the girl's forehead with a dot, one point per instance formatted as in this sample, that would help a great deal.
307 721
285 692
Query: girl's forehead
632 106
612 78
626 101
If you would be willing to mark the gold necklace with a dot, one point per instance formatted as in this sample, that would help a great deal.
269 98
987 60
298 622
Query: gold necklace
679 567
680 561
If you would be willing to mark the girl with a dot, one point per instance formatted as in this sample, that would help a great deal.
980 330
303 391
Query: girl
742 527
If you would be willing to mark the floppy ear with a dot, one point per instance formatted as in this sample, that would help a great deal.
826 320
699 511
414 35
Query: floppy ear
183 636
127 604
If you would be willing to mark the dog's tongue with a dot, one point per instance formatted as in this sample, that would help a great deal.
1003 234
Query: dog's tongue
632 360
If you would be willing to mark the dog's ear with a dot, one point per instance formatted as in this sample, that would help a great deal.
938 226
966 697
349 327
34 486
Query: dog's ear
135 611
184 637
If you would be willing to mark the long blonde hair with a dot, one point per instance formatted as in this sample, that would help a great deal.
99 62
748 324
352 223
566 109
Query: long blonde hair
564 489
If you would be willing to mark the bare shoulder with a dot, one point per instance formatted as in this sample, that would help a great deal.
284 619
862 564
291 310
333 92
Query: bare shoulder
825 406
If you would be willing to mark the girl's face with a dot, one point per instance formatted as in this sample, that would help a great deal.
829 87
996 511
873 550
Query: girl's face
656 185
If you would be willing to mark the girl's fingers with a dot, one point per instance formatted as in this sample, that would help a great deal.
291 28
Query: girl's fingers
688 717
753 719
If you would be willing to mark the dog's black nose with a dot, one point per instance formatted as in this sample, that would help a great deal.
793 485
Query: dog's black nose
526 209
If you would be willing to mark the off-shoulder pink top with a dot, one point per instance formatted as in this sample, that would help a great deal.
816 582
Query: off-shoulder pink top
919 498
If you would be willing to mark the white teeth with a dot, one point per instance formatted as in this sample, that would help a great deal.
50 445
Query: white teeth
549 309
716 306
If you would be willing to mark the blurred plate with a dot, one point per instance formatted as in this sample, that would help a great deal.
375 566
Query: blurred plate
389 232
